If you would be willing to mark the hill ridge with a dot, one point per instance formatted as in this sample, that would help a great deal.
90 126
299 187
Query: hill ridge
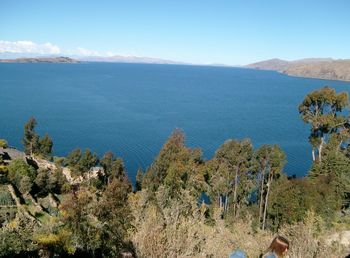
319 68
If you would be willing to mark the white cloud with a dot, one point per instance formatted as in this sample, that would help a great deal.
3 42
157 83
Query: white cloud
28 47
86 52
110 53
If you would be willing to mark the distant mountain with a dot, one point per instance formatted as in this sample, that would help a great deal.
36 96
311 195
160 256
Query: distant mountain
128 59
271 64
320 68
60 59
35 58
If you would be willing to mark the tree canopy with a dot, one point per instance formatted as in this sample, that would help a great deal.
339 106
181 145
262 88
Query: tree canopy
322 109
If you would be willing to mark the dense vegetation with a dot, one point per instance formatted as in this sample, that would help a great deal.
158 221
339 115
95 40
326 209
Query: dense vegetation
182 205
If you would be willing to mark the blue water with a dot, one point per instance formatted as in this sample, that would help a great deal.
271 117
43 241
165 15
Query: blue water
131 109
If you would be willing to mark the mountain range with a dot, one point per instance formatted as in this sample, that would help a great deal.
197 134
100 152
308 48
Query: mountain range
32 58
128 59
320 68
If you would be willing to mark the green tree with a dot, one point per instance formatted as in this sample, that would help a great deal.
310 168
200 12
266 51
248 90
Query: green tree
32 142
99 221
270 160
176 167
113 212
292 199
117 169
45 145
289 201
322 109
335 170
174 149
17 241
220 183
113 166
41 180
25 185
139 177
80 162
31 138
79 217
88 160
236 158
106 162
21 175
50 181
73 158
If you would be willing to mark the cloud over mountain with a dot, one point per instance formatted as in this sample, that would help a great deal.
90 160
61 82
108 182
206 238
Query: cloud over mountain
86 52
28 47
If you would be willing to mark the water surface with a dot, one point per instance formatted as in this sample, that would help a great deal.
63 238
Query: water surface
131 109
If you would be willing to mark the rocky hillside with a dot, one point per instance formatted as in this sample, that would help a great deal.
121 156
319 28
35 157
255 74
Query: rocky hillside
271 64
328 69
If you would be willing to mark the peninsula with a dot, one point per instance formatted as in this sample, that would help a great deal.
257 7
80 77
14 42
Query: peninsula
320 68
60 59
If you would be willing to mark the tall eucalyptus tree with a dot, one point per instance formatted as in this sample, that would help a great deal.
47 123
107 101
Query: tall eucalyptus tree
236 157
270 160
322 109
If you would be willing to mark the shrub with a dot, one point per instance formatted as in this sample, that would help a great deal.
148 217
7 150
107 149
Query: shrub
5 196
3 143
21 175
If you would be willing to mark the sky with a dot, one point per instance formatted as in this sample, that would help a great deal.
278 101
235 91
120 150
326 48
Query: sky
232 32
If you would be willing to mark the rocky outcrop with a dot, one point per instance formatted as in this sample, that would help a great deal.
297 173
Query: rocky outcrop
21 209
9 154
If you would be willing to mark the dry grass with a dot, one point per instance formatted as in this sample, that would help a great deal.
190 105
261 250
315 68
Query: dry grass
178 229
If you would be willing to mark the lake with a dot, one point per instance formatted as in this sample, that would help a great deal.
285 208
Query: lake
132 109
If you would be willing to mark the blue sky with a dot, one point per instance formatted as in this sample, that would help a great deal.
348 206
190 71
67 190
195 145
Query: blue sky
231 32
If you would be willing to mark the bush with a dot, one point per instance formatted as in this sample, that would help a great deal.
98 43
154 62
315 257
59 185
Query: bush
5 196
3 143
3 169
21 175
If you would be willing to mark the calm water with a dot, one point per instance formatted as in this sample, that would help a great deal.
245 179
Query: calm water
131 109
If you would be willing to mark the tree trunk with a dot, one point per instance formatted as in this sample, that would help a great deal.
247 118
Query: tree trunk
235 192
238 210
320 150
262 192
339 145
313 154
221 205
266 200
